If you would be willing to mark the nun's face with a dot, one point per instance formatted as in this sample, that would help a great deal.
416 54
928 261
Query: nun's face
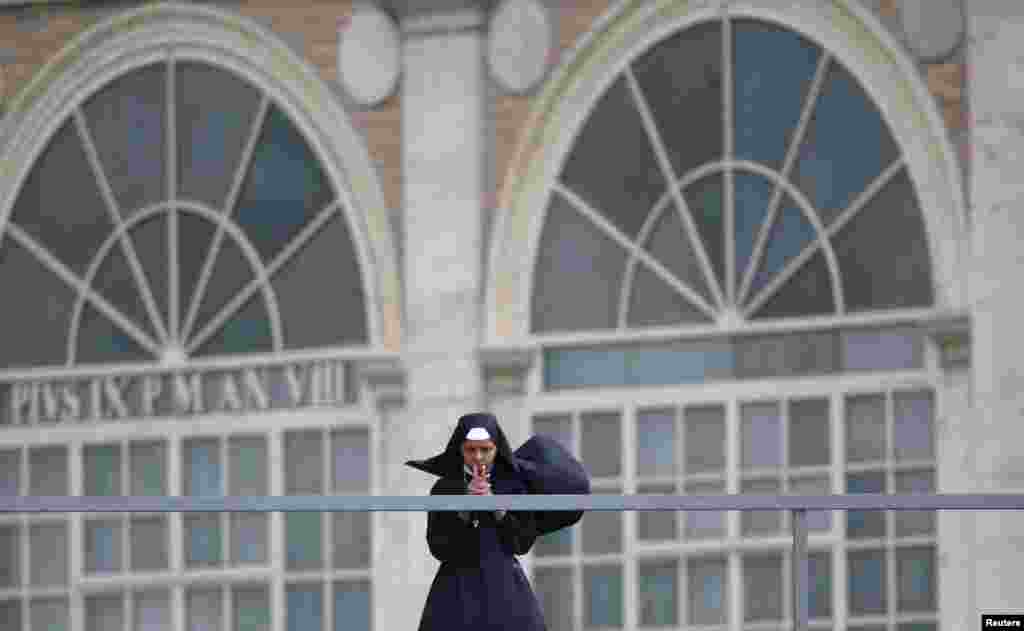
477 452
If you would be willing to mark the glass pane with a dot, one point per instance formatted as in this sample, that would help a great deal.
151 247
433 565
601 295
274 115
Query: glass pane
706 201
352 606
49 614
340 316
909 523
284 189
102 470
752 194
48 471
205 609
658 589
786 355
762 587
203 539
816 519
705 439
10 472
684 73
762 435
150 241
809 433
898 272
352 540
846 145
102 546
554 589
148 468
789 235
915 576
248 458
303 540
653 302
670 243
10 615
575 259
10 556
656 525
913 433
704 524
865 428
149 543
601 437
153 611
251 608
48 556
656 442
101 341
305 607
865 524
247 331
351 465
669 363
807 292
707 587
554 544
772 71
104 613
602 530
214 113
602 594
885 349
761 522
624 188
126 120
249 538
558 427
303 456
231 271
202 467
195 234
867 582
819 601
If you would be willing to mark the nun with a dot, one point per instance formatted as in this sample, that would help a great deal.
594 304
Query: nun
480 585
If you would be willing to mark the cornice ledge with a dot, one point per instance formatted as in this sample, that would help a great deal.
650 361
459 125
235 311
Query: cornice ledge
951 333
506 368
385 379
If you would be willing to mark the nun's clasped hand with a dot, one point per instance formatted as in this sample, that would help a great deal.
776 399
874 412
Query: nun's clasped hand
479 485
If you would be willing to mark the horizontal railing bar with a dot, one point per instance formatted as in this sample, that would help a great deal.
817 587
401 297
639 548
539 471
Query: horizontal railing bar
337 503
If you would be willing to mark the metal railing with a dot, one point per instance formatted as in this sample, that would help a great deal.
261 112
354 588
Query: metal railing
798 505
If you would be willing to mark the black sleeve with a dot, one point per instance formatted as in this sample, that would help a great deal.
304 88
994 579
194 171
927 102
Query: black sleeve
517 531
449 536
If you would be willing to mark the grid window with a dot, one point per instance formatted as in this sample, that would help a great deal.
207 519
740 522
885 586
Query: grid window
352 540
202 467
656 442
148 469
104 613
203 539
353 609
350 453
10 615
707 591
809 443
761 435
556 593
705 524
303 540
915 579
762 587
48 471
867 582
10 472
761 522
601 437
305 607
819 601
251 608
913 433
247 457
249 538
865 524
658 590
152 610
602 530
205 609
48 614
148 543
705 439
303 455
103 546
10 556
656 525
603 595
48 554
865 428
913 523
102 469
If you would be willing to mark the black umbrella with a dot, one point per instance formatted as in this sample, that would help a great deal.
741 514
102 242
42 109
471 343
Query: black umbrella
549 469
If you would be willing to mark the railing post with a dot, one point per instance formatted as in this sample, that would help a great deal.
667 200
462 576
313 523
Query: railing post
800 570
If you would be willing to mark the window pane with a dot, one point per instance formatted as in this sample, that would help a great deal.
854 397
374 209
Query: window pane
251 608
103 546
352 606
148 468
153 611
601 437
558 427
48 556
865 524
203 540
248 331
352 540
707 589
885 349
10 615
817 485
249 538
149 543
761 522
248 458
205 609
48 471
554 589
669 363
912 431
104 613
231 270
915 572
659 593
819 601
575 259
807 292
706 202
303 457
10 472
202 467
303 532
671 245
656 525
762 435
653 302
705 439
865 428
351 466
762 587
909 523
786 355
555 543
602 593
602 530
809 433
867 582
752 194
305 607
102 470
49 614
702 524
656 442
99 340
790 233
10 556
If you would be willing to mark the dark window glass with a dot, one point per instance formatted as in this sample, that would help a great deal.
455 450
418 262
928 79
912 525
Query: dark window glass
807 292
865 524
790 233
819 601
762 587
656 525
658 590
251 608
305 607
247 331
809 433
555 591
602 530
102 469
751 196
231 272
149 239
353 607
656 442
707 591
786 355
10 556
885 349
915 576
670 244
100 340
706 202
865 428
353 544
705 439
602 591
653 302
867 583
195 235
